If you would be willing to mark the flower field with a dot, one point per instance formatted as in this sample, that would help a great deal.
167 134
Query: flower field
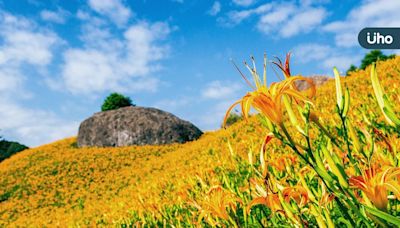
316 158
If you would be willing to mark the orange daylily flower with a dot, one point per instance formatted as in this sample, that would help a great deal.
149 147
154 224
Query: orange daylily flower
376 184
285 68
269 101
297 193
217 203
272 201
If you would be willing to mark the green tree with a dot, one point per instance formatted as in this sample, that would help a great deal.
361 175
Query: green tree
372 57
8 148
115 101
232 118
351 69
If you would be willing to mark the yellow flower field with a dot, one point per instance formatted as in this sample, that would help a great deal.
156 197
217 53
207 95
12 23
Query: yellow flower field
220 179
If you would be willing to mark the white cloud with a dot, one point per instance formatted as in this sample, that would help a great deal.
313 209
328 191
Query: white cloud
58 16
218 95
22 45
172 105
220 90
303 22
326 56
313 2
214 116
114 9
289 19
215 8
269 22
367 14
286 19
244 2
108 63
33 127
10 79
311 52
23 42
236 17
342 62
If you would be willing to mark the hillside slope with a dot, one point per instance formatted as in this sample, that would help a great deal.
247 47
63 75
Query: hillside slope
58 184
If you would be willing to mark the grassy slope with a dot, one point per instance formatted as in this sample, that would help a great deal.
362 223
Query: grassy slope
59 184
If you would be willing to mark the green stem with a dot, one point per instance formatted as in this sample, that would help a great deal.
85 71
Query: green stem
293 146
344 210
346 138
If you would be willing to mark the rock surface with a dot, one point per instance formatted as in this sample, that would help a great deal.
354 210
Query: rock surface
318 81
135 126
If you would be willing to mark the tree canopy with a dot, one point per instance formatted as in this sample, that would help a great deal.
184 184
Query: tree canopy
115 101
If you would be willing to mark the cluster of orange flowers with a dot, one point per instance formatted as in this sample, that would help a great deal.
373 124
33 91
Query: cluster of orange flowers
58 184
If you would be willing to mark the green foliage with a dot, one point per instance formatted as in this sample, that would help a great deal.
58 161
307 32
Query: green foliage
116 101
233 118
372 57
9 148
351 69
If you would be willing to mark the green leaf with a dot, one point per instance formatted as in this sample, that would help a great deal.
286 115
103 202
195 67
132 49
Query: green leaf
339 95
336 169
388 111
383 215
379 95
353 135
292 116
346 102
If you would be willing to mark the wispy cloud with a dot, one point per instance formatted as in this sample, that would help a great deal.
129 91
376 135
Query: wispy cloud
237 16
24 41
221 94
220 90
109 63
58 16
367 14
214 115
11 80
300 22
215 8
244 2
284 19
113 9
327 56
25 44
33 126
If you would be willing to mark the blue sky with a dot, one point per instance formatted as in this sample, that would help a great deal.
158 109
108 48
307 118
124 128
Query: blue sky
60 59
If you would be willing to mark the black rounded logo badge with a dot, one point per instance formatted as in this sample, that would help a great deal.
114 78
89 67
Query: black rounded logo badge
379 38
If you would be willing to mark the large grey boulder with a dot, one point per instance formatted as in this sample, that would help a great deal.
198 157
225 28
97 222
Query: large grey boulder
135 126
318 81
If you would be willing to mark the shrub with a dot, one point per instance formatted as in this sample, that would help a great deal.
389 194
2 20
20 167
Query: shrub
372 57
351 69
7 149
116 101
232 118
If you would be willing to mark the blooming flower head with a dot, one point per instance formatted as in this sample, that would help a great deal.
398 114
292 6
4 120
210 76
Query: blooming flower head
269 100
376 183
217 204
